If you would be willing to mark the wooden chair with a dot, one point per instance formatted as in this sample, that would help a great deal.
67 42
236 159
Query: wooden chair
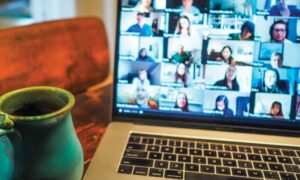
72 54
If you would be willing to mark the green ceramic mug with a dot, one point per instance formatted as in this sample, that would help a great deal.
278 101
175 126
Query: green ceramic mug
44 140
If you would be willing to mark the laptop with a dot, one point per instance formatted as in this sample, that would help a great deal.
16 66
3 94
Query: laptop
204 89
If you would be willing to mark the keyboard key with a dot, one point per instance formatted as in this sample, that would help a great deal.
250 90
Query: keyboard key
245 149
228 162
259 150
147 140
217 147
195 152
137 162
245 164
188 144
174 143
239 156
182 158
136 146
205 176
254 157
202 145
223 170
255 173
161 164
176 166
292 168
173 174
134 139
140 171
289 153
125 169
260 165
181 151
153 155
162 142
156 172
170 157
287 176
153 148
274 152
135 154
199 160
276 167
167 149
269 159
210 153
207 169
223 154
230 148
271 175
192 167
213 161
238 172
296 161
285 160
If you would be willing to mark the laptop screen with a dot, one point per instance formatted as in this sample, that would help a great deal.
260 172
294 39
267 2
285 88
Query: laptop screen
219 60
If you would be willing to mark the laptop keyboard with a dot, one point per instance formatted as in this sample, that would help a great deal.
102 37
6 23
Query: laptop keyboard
185 158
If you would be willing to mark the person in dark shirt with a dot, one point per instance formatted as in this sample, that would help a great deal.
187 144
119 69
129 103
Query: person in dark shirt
140 27
226 56
271 83
279 32
281 8
229 81
276 110
222 105
247 32
143 56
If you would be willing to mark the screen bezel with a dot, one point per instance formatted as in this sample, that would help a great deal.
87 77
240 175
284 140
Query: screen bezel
237 124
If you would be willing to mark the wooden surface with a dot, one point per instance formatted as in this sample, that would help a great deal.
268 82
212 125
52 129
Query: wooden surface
72 54
91 115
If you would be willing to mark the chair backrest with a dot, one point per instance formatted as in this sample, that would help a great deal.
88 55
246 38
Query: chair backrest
71 54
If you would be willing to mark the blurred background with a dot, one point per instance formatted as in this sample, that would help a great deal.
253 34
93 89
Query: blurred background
23 12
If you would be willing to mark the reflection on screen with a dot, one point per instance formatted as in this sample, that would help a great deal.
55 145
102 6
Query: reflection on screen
237 58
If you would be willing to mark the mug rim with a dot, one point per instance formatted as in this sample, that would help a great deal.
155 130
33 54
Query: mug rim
62 111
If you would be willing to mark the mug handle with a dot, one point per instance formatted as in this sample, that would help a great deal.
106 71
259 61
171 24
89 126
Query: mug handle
6 124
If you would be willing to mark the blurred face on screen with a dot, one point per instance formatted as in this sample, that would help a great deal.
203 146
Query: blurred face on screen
180 49
270 78
275 109
140 20
231 73
220 105
279 32
276 61
226 53
246 34
184 23
187 3
181 100
143 75
141 93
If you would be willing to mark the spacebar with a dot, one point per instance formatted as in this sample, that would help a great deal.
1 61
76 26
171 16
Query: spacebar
198 176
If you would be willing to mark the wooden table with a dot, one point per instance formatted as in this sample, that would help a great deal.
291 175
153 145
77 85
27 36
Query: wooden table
91 115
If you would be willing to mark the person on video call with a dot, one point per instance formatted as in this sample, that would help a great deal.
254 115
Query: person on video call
276 60
142 98
144 6
281 8
181 56
183 28
155 29
187 7
271 83
276 110
142 78
229 80
279 32
226 56
143 56
141 27
182 102
222 105
247 32
181 74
